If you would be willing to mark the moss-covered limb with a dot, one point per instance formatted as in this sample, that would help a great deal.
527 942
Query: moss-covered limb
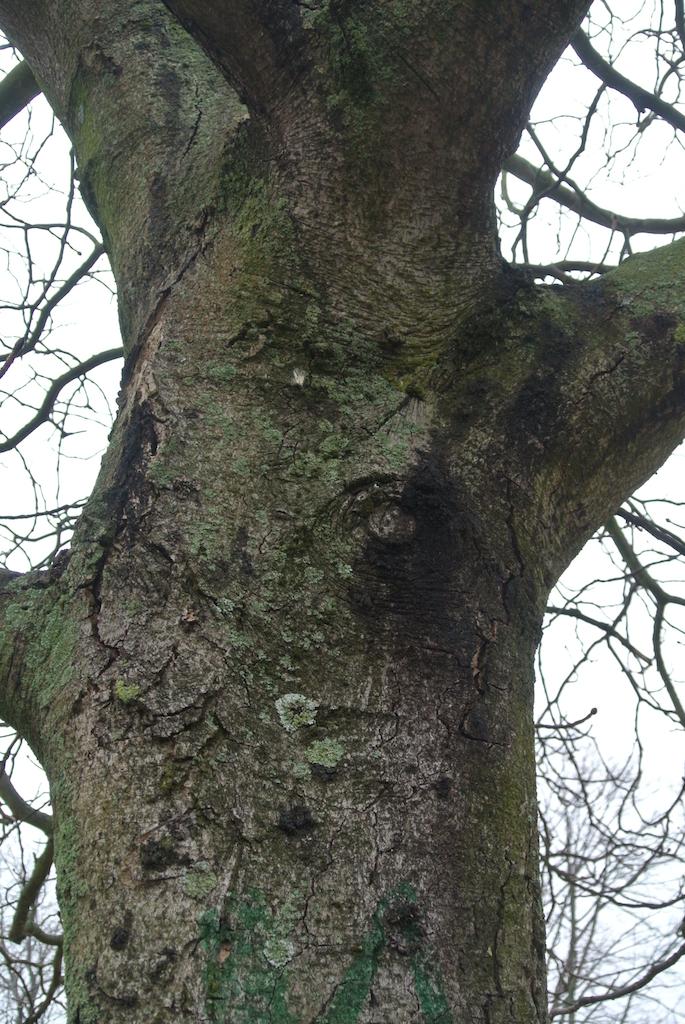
16 600
36 647
255 42
591 392
630 386
17 89
149 116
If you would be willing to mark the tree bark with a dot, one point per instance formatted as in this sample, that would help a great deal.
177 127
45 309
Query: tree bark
283 688
18 88
292 771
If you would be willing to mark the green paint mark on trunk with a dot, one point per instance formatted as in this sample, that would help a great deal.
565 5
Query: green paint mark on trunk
429 992
351 996
247 983
242 984
396 910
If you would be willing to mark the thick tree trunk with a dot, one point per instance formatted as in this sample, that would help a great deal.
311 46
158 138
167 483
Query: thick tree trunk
283 688
293 771
289 727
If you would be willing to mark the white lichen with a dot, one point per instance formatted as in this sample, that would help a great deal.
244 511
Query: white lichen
296 710
326 753
278 951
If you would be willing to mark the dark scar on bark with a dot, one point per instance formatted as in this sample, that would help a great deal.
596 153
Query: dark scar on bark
296 818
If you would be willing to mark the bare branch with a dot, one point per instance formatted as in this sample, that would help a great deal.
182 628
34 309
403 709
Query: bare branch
658 532
20 927
606 627
680 20
47 938
644 579
624 990
568 725
641 98
562 269
53 392
29 342
55 982
545 184
19 807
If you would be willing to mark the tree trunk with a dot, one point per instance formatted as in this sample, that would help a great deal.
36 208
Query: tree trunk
294 777
283 688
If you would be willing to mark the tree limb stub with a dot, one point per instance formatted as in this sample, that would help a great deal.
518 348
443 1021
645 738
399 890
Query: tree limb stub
17 89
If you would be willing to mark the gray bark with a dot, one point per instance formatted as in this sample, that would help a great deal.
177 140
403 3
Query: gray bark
283 688
17 90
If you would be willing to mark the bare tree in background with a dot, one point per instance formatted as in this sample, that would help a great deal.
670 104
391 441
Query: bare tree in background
43 384
31 976
48 246
611 862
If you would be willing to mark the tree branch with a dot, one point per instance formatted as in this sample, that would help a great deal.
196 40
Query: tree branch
604 402
78 52
662 599
53 393
30 892
660 533
680 20
606 627
254 42
641 98
546 185
29 341
53 988
563 268
269 46
20 808
17 89
624 990
30 660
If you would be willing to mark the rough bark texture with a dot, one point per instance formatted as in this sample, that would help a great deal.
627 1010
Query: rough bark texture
283 687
